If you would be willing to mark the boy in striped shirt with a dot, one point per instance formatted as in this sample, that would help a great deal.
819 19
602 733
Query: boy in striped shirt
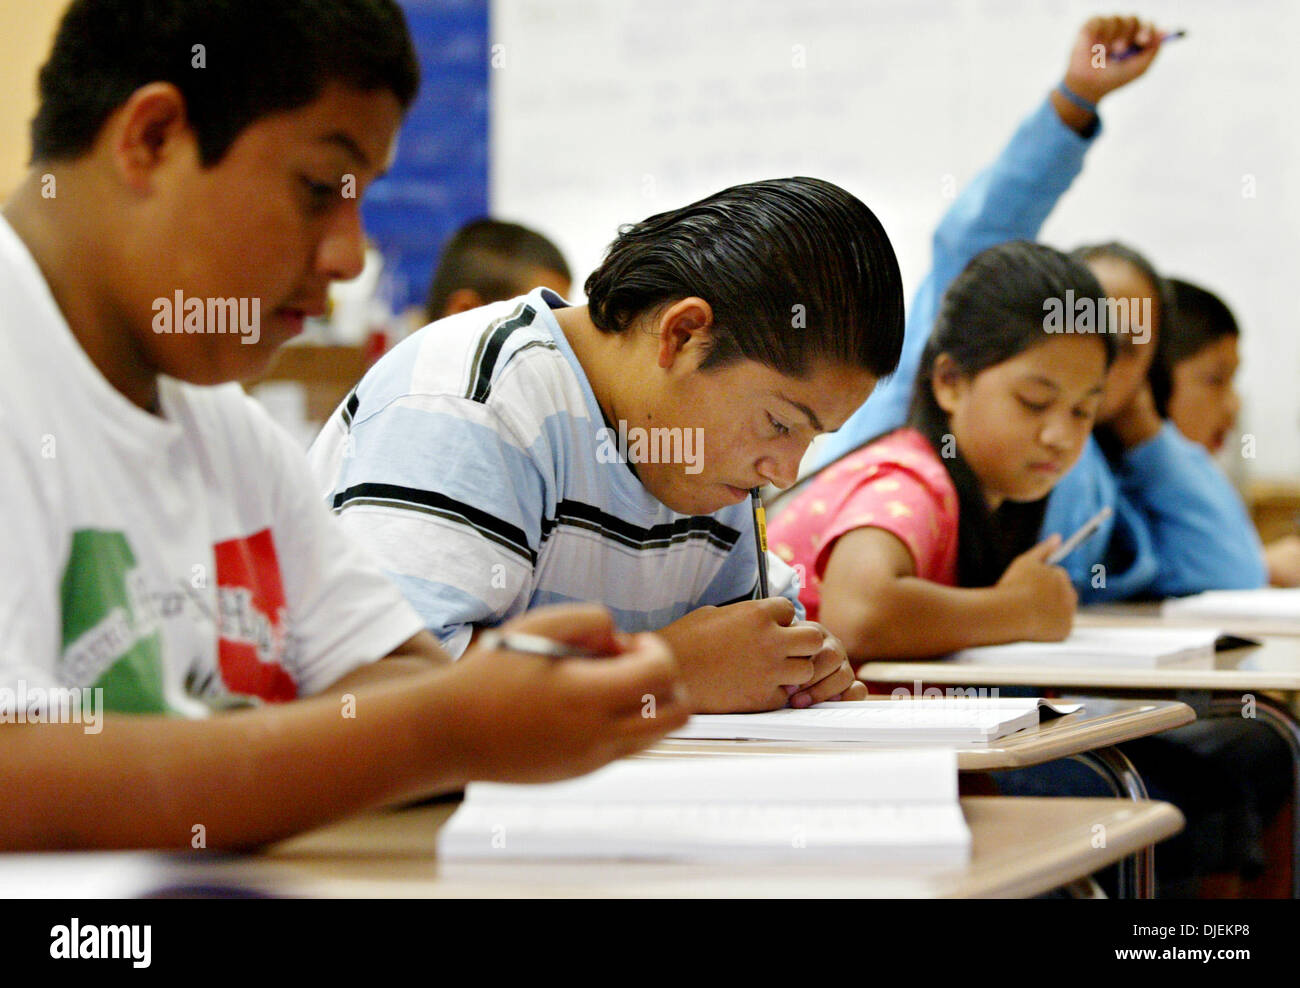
533 452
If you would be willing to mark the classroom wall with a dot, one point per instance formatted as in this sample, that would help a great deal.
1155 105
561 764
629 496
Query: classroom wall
26 30
604 111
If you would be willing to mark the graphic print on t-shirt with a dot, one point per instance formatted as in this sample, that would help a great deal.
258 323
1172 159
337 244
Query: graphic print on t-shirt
254 639
110 636
112 624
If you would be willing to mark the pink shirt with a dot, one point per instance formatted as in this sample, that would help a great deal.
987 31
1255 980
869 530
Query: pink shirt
898 484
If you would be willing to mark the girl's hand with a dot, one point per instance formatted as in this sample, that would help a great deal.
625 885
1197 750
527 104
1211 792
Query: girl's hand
1283 558
1041 593
1094 69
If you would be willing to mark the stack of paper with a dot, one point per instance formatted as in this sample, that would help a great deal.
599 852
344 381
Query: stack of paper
1103 646
940 721
869 806
1271 606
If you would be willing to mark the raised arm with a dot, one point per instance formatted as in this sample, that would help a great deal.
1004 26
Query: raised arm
1008 200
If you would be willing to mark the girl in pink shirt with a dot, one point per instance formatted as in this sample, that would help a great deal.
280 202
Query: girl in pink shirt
921 542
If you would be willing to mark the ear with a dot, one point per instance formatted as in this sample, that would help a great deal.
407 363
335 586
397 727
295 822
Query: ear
461 300
147 131
947 382
684 325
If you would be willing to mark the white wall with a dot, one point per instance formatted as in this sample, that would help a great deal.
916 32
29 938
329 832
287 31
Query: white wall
605 111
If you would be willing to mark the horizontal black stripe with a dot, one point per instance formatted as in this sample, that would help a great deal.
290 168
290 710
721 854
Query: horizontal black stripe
494 529
579 515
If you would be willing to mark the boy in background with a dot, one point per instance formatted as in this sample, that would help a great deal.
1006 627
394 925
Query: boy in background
196 181
490 260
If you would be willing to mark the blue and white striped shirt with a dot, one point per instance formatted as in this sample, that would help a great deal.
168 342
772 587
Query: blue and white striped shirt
469 460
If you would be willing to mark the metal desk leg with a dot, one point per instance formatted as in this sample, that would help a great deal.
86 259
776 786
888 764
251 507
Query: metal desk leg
1137 873
1279 718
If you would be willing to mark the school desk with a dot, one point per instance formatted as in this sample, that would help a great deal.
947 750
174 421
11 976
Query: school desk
1089 735
1228 685
1021 846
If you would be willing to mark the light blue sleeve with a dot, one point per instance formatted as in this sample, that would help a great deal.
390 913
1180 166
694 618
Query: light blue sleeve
1178 526
1009 200
451 504
1204 539
1118 561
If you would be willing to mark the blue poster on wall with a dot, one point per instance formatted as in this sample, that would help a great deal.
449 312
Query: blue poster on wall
440 177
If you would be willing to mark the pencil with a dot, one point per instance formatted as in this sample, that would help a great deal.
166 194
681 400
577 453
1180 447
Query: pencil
760 540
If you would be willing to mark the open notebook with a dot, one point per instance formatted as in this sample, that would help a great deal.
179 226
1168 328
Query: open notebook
865 806
1268 609
915 720
1103 646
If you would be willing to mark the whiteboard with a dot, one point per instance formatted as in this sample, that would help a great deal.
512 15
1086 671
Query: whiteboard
605 111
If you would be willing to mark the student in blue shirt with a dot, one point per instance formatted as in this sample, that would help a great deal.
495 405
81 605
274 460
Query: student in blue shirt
1177 526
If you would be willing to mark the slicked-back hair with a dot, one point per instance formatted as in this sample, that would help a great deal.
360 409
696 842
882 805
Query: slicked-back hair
796 271
258 57
491 257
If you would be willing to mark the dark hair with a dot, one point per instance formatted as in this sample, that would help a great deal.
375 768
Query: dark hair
259 58
992 311
795 270
1197 319
490 256
1123 252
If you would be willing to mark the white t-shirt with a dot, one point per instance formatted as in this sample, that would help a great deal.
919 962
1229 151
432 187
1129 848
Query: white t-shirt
173 561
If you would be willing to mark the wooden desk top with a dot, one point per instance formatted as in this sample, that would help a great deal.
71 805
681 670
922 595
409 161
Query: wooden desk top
1274 665
1100 724
1022 846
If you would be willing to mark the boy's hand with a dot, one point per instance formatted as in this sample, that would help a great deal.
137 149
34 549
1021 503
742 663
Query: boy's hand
1095 71
534 719
739 658
1041 592
833 676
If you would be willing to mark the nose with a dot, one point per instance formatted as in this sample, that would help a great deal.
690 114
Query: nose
1234 406
1058 431
781 470
342 252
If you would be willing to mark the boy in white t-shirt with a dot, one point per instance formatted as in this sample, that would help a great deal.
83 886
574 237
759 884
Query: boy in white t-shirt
194 190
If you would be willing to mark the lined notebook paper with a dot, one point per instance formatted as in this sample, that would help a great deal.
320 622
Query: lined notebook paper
941 720
1104 646
866 806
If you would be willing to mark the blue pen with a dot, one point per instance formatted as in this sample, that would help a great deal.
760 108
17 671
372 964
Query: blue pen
1171 36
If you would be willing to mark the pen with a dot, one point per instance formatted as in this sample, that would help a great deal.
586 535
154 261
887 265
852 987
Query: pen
1072 543
536 645
1171 36
760 540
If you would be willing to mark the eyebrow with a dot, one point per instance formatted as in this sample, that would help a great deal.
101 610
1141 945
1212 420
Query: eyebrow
1048 382
808 412
342 140
1039 379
